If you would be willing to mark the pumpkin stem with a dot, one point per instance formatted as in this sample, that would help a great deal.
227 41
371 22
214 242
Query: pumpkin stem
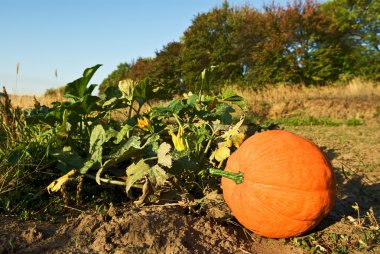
236 177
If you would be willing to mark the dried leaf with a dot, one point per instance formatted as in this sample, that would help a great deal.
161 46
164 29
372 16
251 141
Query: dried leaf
145 192
164 158
157 176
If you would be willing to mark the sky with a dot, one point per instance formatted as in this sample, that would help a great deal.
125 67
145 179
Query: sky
42 36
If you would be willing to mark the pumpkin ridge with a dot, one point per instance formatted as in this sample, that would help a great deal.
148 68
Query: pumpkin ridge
283 216
291 189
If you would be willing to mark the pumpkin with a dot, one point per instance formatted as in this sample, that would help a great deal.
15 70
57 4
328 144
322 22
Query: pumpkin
283 184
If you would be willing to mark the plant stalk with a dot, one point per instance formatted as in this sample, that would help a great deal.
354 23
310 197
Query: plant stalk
238 178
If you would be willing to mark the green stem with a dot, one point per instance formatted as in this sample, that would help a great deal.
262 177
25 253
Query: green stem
110 181
236 177
115 182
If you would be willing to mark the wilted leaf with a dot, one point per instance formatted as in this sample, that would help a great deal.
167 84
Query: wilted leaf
164 158
57 184
145 191
157 176
127 87
136 172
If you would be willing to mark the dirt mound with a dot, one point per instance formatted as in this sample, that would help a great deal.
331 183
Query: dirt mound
154 229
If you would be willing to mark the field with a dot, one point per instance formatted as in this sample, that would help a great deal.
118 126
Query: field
343 120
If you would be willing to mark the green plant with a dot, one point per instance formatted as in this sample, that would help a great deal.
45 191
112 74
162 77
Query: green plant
150 154
296 121
354 122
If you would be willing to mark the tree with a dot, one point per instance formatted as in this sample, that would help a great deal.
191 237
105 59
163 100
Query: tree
209 42
296 46
358 24
140 69
166 69
113 79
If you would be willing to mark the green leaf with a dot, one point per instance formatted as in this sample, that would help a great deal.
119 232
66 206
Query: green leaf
192 100
231 96
78 88
87 165
122 133
157 176
128 149
109 102
140 92
177 106
97 139
164 158
67 160
136 172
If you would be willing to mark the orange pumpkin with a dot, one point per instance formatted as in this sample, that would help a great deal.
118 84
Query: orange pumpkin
287 188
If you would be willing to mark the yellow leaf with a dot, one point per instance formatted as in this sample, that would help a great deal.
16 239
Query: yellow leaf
237 139
233 135
57 184
222 153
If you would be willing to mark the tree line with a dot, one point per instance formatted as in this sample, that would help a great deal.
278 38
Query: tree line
303 42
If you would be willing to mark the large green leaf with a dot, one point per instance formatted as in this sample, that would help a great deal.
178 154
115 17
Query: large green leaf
78 88
128 149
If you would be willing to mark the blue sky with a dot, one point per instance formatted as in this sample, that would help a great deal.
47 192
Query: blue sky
71 35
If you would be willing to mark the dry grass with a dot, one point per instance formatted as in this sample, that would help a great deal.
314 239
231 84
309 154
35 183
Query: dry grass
27 101
357 99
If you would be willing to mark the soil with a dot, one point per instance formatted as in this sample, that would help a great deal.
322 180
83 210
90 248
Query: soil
150 229
172 228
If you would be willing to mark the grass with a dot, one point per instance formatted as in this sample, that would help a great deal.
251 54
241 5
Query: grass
354 100
28 101
311 121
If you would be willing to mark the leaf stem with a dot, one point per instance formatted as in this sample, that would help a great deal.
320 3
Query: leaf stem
238 178
111 181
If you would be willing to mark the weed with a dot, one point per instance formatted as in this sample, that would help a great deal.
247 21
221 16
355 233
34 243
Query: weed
305 121
354 122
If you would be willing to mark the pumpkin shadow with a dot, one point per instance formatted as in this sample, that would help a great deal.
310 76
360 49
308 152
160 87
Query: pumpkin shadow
352 189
